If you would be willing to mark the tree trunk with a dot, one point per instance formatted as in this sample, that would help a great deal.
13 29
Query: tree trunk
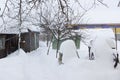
49 46
20 22
58 43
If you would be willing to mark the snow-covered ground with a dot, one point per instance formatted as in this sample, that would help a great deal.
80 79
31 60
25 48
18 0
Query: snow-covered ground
37 65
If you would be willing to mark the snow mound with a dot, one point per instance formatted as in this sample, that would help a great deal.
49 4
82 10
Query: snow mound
111 43
103 51
68 49
19 52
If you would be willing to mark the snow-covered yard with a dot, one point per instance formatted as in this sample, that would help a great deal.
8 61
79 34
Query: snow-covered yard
37 65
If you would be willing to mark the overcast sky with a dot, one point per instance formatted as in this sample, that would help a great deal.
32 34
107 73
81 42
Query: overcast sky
110 3
99 14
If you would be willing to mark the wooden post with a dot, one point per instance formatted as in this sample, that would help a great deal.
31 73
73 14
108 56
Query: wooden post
116 37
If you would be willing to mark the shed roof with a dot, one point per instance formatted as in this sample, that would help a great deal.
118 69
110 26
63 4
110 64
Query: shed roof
15 30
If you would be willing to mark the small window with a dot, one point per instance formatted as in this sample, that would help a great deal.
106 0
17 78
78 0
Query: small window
2 43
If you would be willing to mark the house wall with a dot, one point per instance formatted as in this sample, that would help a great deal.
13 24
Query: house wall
117 30
2 51
118 37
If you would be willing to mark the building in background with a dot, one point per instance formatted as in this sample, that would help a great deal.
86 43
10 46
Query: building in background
117 33
9 40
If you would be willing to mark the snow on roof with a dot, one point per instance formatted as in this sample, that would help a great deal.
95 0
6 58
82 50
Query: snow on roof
10 30
103 16
34 28
15 30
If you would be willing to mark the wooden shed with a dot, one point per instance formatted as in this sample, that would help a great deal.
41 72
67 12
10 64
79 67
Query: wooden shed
9 40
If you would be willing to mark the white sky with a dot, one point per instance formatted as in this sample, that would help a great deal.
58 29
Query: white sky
2 2
100 14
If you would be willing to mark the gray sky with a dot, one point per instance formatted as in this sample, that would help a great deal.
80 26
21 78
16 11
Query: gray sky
99 14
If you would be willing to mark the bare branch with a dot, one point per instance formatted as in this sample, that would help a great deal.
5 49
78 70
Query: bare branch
103 3
5 7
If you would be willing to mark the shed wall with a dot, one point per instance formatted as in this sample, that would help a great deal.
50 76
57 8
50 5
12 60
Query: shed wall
2 51
34 41
25 42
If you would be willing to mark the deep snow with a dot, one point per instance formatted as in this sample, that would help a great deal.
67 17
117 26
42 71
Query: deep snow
37 65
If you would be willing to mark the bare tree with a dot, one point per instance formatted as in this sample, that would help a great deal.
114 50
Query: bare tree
52 15
55 17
